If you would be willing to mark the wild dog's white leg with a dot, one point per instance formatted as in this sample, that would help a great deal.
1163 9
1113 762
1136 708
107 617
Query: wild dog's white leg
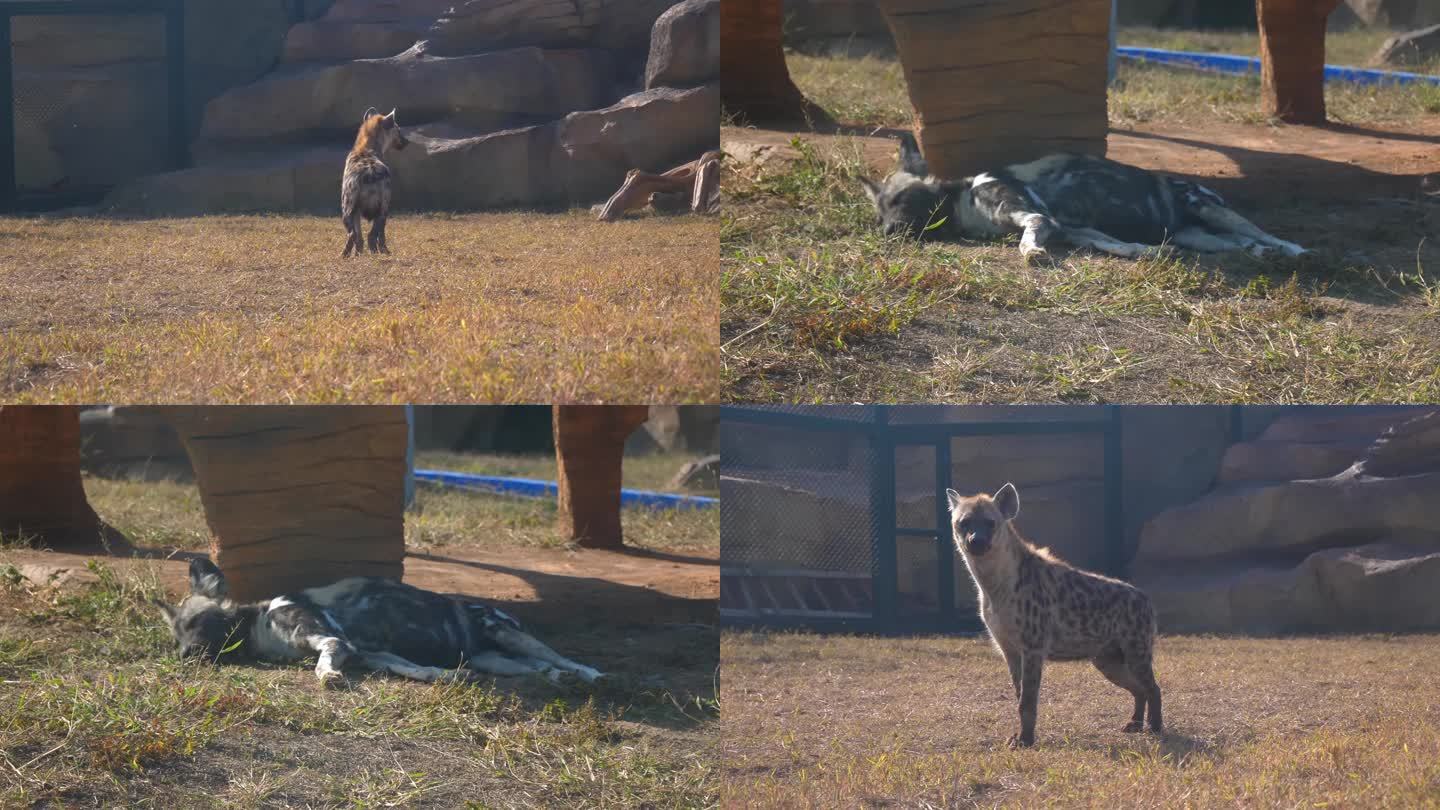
515 641
333 653
1105 243
497 663
1035 231
389 662
1224 220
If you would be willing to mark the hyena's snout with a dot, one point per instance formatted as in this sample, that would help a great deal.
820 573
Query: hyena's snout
978 535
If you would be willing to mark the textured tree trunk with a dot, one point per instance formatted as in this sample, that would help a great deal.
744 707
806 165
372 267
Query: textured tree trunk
756 84
589 448
1292 58
299 496
995 83
42 499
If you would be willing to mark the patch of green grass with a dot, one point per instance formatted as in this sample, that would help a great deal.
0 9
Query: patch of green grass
818 306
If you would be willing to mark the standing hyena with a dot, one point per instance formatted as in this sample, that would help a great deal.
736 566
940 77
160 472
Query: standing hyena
365 186
1037 606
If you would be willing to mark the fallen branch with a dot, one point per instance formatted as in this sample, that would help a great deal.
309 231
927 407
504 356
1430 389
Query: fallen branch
697 182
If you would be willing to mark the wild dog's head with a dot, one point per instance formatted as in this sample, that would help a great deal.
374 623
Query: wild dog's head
910 201
205 622
380 132
981 522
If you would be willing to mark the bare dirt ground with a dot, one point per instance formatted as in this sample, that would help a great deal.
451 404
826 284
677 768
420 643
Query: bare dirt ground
1247 164
851 721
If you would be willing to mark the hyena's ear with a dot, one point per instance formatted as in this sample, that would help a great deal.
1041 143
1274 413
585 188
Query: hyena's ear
872 190
206 579
390 118
369 111
910 158
1007 500
953 497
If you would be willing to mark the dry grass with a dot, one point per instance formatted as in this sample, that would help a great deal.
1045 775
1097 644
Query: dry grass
844 721
475 307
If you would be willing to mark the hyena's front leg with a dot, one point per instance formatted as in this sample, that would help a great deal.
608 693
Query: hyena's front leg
1031 665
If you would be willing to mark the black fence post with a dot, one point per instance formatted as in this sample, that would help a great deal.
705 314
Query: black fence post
944 546
884 584
1114 493
8 191
175 68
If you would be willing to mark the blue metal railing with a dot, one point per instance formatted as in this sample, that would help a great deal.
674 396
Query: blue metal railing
1230 63
537 488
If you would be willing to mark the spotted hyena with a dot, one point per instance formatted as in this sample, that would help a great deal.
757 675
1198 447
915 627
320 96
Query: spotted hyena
1082 200
366 622
365 185
1037 607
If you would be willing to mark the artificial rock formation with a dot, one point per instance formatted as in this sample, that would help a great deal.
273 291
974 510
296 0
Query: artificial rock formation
1277 548
299 496
1409 48
520 103
685 45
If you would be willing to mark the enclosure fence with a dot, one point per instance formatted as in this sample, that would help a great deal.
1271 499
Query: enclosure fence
88 126
813 533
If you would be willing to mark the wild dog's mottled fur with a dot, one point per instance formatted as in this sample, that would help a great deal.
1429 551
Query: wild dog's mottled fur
372 622
365 185
1038 607
1083 200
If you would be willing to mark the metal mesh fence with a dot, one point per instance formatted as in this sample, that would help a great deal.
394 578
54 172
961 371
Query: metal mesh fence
797 518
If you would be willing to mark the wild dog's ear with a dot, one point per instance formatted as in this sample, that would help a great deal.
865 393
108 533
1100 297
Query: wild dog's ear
954 498
1007 500
206 579
910 158
872 190
169 612
369 111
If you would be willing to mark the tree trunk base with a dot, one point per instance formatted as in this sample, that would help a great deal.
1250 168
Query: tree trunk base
1292 58
589 449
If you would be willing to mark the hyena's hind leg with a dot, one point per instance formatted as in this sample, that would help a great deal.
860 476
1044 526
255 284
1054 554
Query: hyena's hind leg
1139 661
377 236
1111 663
1208 207
352 239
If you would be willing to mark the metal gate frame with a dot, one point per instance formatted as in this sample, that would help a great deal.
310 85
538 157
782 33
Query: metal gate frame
174 13
884 437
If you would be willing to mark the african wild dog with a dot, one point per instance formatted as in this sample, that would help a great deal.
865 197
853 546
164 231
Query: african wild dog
365 185
375 623
1080 199
1036 606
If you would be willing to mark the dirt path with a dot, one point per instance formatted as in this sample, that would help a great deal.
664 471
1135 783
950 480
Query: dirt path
1254 163
541 585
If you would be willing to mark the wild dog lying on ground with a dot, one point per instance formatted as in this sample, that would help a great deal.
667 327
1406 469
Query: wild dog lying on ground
365 185
370 622
1036 606
1078 199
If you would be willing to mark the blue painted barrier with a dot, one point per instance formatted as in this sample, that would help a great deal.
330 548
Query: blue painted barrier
536 488
1229 63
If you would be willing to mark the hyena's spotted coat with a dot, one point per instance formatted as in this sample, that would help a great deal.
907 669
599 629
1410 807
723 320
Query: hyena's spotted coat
1038 607
365 185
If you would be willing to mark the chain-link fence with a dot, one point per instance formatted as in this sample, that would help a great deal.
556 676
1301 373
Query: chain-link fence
835 517
91 95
